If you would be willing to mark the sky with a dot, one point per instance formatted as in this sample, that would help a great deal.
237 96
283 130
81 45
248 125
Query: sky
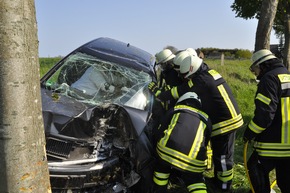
64 25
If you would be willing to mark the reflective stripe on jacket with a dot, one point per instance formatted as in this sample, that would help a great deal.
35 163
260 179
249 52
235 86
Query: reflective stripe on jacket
185 139
271 121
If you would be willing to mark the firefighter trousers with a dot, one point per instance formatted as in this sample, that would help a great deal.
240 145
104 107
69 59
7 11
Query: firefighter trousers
259 168
194 182
223 159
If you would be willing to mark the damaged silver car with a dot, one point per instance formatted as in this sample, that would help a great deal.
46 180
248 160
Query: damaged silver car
96 109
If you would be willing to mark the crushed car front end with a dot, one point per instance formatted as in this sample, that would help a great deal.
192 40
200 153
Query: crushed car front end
99 141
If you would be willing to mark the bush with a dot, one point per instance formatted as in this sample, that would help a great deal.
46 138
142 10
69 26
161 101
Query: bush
244 54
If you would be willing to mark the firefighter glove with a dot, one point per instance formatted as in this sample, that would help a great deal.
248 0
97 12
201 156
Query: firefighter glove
152 86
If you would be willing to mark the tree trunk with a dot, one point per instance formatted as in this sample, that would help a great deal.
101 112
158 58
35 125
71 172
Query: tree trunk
265 23
286 58
286 53
23 163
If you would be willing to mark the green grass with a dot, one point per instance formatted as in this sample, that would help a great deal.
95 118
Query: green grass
47 63
243 85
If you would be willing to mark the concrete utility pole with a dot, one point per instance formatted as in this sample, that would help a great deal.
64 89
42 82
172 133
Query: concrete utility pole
23 163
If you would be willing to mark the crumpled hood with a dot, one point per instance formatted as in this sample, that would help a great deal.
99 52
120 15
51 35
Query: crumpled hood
58 110
61 104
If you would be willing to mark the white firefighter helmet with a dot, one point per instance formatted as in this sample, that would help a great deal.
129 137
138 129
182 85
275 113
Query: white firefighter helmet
164 56
190 65
179 58
192 51
189 95
261 56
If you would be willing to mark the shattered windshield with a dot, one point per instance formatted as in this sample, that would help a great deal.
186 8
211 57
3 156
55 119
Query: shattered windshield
95 81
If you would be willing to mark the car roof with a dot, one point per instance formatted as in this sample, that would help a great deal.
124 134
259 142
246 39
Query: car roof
115 51
120 52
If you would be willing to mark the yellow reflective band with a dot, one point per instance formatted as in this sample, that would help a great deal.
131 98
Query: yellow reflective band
161 175
272 146
284 78
255 128
199 191
168 131
268 153
225 176
160 182
227 100
182 165
227 129
174 92
263 98
209 156
228 122
227 125
272 149
195 148
285 112
163 104
285 81
168 87
214 74
190 83
179 155
184 107
197 188
228 172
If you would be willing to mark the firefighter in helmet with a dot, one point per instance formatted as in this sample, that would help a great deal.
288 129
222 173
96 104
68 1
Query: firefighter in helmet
183 138
270 126
169 77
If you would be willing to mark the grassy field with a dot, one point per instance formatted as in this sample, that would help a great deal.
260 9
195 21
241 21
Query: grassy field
243 85
46 64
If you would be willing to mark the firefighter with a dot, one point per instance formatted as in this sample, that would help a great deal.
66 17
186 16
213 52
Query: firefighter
181 148
169 76
219 103
270 126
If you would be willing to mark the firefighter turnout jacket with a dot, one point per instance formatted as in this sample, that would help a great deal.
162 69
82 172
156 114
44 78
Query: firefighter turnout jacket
184 138
216 98
168 79
271 122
